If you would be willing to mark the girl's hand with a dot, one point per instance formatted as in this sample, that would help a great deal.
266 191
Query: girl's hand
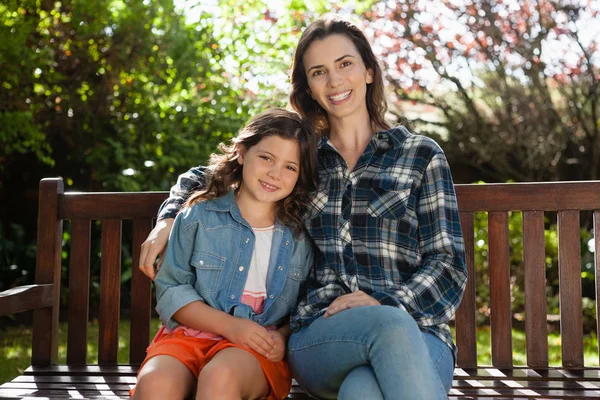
278 351
251 335
350 300
154 245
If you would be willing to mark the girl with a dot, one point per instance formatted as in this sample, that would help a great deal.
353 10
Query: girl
233 267
390 266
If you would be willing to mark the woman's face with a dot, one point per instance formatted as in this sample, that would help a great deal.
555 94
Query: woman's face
337 76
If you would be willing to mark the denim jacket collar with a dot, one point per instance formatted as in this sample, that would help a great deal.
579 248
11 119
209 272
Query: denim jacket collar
228 204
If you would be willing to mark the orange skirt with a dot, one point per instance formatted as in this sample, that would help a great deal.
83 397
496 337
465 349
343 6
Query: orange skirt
195 353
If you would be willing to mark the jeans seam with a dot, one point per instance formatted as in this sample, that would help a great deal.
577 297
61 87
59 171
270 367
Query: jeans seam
327 342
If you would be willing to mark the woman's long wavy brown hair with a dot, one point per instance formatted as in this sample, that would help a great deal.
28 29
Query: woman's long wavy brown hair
225 173
300 98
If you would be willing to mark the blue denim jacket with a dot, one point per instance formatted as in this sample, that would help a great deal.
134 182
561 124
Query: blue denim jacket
208 257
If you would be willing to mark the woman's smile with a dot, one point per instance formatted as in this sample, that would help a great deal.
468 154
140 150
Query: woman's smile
340 98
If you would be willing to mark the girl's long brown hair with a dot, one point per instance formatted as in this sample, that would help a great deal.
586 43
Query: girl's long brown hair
225 173
300 98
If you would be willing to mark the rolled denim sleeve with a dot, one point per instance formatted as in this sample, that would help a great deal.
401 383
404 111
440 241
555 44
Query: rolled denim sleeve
176 278
434 292
187 182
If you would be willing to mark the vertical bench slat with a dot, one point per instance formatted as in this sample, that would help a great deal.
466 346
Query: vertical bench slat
466 327
110 290
141 294
534 256
79 291
569 270
44 348
499 259
597 272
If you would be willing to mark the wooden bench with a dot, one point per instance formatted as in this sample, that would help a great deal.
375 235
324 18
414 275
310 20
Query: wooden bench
109 379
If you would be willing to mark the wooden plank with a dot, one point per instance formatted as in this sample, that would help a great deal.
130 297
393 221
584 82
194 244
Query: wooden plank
536 331
141 295
25 298
466 325
110 205
530 196
79 291
76 379
86 370
44 349
110 291
499 259
569 271
597 271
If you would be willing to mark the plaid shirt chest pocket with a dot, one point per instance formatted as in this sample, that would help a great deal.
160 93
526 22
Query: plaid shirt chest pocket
209 270
388 197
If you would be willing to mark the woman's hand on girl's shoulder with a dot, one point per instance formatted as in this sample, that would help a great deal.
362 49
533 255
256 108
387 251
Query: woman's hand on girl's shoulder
154 245
350 300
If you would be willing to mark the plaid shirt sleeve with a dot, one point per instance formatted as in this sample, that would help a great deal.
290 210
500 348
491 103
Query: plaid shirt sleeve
434 292
186 183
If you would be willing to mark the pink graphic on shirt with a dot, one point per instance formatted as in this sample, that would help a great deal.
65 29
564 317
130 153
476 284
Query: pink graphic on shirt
255 300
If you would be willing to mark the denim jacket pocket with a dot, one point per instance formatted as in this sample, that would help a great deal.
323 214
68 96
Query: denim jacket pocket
209 271
388 198
296 275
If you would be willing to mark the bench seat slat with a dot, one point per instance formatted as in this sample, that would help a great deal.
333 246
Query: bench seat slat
569 271
110 291
597 272
499 261
79 291
466 324
534 260
141 295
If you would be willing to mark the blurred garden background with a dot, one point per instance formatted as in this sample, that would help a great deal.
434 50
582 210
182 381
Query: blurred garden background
124 95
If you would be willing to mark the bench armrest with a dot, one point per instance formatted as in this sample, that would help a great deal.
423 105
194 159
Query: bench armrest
25 298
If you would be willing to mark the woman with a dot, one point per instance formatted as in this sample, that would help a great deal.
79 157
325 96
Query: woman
387 233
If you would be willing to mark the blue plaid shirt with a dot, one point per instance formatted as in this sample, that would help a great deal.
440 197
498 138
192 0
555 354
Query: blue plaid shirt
389 228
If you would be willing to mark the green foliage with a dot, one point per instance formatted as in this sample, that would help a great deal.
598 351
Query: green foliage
484 348
15 346
15 255
513 86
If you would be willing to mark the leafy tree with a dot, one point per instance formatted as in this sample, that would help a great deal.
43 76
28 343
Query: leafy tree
512 86
110 95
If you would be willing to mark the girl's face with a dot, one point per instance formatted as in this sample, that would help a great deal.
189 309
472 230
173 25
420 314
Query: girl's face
270 169
337 76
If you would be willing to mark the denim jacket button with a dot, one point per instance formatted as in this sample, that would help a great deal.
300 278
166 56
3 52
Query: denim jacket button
271 296
241 268
280 268
287 242
232 297
247 240
201 262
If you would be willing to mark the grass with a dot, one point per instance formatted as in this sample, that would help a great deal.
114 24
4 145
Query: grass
15 347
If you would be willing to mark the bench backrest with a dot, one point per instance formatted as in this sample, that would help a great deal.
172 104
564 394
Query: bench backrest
567 199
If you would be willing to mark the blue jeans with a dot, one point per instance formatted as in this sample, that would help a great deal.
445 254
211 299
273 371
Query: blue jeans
370 353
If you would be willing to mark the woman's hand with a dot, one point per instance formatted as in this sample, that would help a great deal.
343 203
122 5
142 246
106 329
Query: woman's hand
154 245
251 335
350 300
